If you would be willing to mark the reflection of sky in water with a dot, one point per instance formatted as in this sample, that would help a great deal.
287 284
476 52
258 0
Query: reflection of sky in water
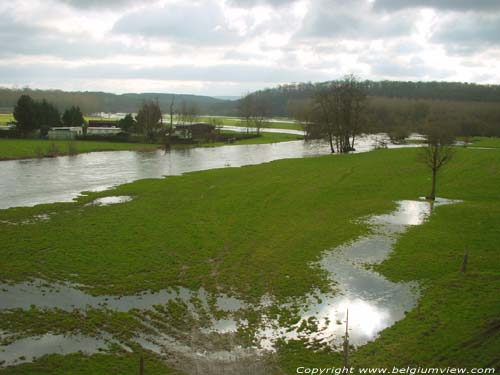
374 303
32 347
34 181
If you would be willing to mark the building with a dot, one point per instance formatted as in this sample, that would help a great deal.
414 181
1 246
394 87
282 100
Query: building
195 131
103 124
68 132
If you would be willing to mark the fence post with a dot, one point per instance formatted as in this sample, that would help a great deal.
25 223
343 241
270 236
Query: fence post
141 366
464 262
346 341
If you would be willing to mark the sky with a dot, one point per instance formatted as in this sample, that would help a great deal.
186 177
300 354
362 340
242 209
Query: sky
231 47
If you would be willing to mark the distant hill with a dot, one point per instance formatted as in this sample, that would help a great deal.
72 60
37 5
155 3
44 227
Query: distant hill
279 97
93 102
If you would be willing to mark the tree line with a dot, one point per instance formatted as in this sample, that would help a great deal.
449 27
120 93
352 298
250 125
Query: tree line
40 115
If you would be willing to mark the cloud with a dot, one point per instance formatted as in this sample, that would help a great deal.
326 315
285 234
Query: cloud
472 34
106 4
455 5
213 73
193 23
415 69
352 20
18 38
253 3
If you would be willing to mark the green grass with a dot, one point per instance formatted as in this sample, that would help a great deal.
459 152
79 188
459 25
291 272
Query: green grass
5 118
32 148
254 230
122 363
493 142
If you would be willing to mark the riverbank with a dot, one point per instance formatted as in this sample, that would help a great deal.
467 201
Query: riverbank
15 149
258 230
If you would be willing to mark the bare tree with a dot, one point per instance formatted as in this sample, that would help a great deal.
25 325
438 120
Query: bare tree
260 111
302 112
245 110
437 151
149 119
339 112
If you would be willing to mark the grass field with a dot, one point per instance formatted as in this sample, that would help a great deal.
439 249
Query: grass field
493 142
5 118
255 230
32 148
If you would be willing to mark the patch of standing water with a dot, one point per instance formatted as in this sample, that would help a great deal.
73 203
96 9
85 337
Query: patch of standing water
374 303
27 349
106 201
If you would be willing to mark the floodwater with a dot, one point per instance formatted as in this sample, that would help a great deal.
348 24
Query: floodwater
243 129
106 201
374 303
29 348
34 181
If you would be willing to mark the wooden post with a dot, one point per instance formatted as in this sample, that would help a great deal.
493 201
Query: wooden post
346 341
141 366
464 262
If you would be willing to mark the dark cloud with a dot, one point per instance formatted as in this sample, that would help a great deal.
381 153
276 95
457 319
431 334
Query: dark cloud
192 23
465 35
457 5
353 20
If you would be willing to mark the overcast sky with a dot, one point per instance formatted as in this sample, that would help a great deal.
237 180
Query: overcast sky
229 47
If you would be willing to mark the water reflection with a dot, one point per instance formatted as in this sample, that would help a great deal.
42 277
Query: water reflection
27 349
35 181
374 303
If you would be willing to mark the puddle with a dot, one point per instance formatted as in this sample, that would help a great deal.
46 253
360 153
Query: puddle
27 349
67 297
106 201
374 303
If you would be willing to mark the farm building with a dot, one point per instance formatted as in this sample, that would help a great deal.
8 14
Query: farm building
102 124
69 132
195 131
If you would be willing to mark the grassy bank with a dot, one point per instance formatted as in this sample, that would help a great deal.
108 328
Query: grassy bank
255 230
32 148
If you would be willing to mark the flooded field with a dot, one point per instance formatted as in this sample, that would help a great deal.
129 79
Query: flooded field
214 340
34 181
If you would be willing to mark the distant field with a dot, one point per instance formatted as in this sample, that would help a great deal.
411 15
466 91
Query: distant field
486 142
5 118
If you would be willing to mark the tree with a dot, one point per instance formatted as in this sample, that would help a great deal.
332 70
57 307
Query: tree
245 110
25 113
73 117
149 119
127 124
260 111
47 116
437 151
340 108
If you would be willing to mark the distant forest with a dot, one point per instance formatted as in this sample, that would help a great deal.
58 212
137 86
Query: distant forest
473 108
94 102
